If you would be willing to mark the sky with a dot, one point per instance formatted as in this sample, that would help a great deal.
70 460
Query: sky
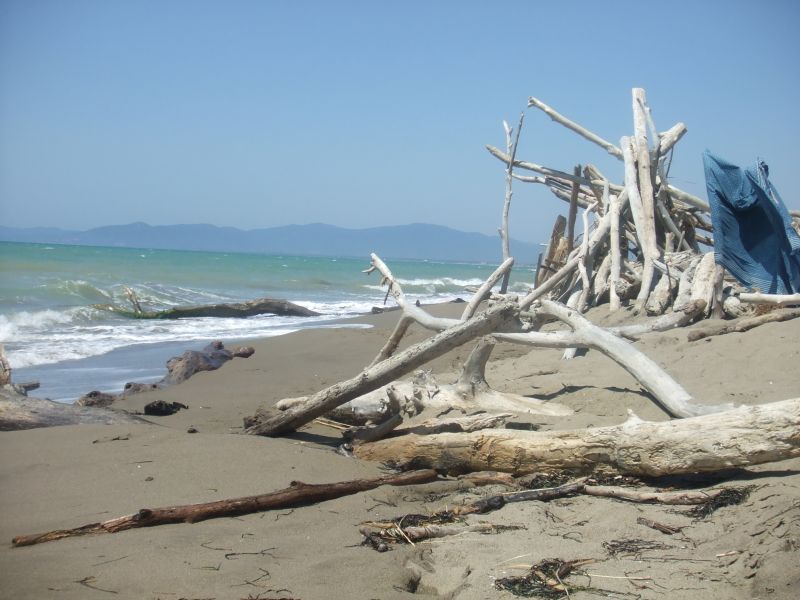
257 114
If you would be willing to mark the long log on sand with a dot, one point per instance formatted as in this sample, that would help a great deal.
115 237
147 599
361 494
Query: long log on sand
743 436
742 324
296 494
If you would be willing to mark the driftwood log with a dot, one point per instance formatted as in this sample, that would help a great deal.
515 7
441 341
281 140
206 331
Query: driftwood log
213 356
238 310
179 369
19 411
743 436
297 494
742 324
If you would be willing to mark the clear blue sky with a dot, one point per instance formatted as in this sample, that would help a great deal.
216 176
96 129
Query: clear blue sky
257 114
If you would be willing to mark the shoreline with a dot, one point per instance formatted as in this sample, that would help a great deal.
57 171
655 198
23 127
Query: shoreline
141 362
71 475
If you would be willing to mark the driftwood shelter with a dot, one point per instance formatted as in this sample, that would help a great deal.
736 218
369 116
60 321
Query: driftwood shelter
644 242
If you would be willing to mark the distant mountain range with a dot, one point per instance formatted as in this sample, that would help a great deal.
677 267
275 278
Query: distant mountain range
414 241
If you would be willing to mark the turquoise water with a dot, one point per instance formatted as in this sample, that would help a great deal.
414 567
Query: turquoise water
53 334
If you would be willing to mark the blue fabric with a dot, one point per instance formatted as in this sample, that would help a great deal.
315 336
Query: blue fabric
753 235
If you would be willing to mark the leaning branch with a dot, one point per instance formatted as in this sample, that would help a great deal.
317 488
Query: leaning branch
385 371
581 131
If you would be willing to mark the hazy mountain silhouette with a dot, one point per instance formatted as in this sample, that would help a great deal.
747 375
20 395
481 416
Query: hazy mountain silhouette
414 241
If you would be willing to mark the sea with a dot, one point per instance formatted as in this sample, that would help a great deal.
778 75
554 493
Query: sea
55 330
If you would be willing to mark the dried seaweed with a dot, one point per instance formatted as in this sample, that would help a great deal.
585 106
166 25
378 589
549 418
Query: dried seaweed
544 580
414 520
728 497
615 480
546 480
632 546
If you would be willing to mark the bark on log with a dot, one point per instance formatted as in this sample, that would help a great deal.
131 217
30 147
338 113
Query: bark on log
298 493
386 371
551 262
740 437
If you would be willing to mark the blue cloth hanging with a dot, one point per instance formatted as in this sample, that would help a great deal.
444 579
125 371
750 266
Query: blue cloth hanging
753 235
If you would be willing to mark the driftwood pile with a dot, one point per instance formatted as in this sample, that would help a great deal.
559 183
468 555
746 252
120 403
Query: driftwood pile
644 242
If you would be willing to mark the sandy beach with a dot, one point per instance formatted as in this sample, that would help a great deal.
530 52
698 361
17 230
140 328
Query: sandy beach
68 476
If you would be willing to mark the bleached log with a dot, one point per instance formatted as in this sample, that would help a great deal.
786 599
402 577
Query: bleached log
779 299
741 437
410 310
703 281
613 282
660 298
504 231
486 287
668 393
536 168
717 310
665 322
456 424
530 178
631 186
584 262
667 139
684 295
5 367
642 153
581 131
602 279
573 210
742 324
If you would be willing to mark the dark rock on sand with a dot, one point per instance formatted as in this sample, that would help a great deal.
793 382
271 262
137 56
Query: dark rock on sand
161 408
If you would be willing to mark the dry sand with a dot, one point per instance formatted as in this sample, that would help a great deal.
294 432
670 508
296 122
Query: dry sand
68 476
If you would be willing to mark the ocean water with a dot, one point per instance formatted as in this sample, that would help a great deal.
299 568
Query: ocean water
54 332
